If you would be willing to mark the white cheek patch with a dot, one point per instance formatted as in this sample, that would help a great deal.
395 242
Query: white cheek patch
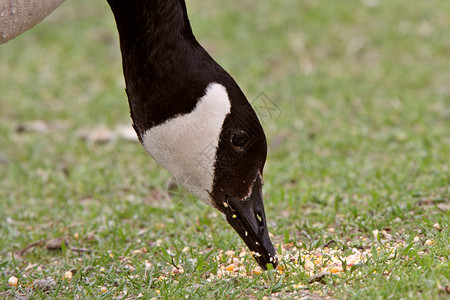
186 145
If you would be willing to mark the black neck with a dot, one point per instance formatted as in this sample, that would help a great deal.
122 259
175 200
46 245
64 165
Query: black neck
151 22
165 68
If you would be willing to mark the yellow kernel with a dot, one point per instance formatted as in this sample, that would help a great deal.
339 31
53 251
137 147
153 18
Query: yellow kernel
234 216
76 235
13 281
158 291
334 270
416 239
104 289
257 270
230 268
429 242
68 275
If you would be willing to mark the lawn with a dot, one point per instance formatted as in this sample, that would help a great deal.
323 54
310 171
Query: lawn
354 97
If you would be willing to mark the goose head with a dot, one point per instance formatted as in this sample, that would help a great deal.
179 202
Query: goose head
218 151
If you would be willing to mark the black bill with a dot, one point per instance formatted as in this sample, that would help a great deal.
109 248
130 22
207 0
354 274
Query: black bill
248 218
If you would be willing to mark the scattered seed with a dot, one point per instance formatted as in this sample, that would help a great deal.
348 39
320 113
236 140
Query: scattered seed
13 281
334 270
429 242
246 233
230 268
437 227
298 286
234 216
225 204
177 271
68 275
104 289
416 239
256 254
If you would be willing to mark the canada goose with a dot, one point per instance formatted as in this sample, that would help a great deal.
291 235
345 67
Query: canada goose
184 105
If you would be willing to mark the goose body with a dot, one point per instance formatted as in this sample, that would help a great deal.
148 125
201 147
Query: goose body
192 117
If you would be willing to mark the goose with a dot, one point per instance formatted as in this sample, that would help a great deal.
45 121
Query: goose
192 118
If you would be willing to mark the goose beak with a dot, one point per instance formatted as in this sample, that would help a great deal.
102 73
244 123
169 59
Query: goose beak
248 218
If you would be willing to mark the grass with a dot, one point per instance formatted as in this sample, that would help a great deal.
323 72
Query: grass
358 143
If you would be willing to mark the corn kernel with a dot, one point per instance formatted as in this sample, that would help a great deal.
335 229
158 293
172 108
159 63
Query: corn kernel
13 281
230 268
334 270
104 289
68 275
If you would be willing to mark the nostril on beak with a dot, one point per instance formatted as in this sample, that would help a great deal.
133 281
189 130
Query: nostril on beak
260 219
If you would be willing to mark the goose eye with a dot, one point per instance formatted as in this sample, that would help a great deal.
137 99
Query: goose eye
239 139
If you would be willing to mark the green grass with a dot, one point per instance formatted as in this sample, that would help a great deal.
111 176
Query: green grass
361 143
